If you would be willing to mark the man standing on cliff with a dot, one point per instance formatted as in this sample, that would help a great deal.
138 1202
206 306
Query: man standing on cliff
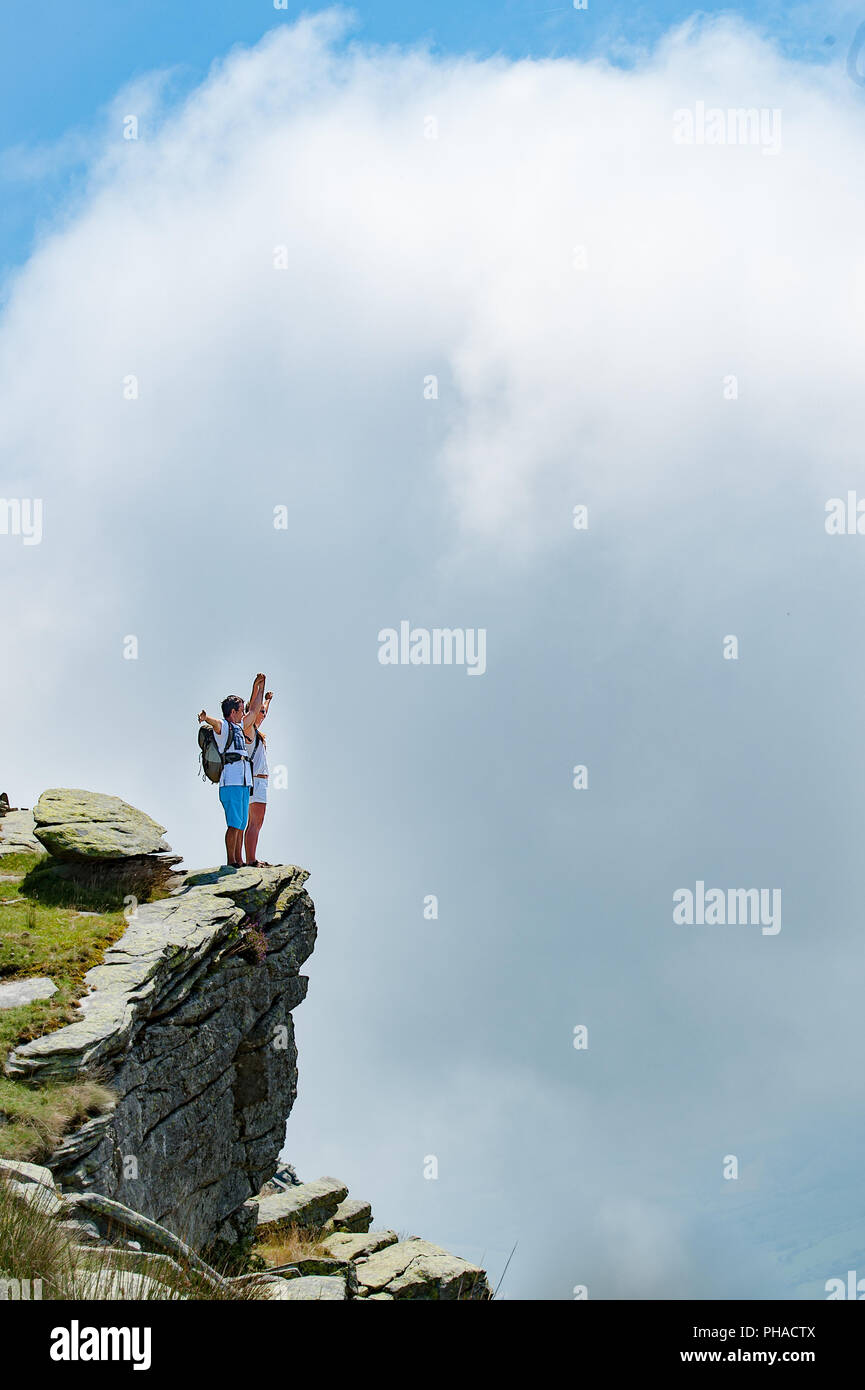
233 735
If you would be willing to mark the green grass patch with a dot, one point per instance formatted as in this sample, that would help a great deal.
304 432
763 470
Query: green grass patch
61 940
19 863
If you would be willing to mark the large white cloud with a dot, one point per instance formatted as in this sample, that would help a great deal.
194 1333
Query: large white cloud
454 256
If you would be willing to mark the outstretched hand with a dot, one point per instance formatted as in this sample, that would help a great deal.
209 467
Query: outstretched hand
202 718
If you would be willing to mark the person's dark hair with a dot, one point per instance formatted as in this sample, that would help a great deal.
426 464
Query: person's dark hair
229 703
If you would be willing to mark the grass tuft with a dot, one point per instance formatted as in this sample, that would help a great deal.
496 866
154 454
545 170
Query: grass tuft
34 1118
291 1245
34 1245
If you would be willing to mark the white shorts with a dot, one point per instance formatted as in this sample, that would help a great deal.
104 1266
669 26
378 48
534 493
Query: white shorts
259 790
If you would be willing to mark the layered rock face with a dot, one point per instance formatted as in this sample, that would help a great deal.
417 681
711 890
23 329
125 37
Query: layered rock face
190 1023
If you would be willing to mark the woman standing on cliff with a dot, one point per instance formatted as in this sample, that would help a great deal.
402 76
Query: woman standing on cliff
258 798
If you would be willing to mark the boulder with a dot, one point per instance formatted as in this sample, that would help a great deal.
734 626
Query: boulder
81 1232
18 834
27 1172
352 1216
357 1247
309 1205
313 1289
79 825
275 1289
416 1269
19 992
36 1196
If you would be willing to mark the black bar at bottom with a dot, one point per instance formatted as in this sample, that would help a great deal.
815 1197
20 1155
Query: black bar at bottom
60 1338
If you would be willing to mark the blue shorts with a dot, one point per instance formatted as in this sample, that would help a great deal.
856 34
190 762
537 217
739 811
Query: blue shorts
235 803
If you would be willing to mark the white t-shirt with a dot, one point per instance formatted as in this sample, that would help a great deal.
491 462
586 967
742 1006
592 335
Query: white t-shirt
233 774
259 759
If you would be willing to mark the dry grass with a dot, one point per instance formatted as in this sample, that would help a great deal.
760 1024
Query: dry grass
33 1245
291 1245
37 1117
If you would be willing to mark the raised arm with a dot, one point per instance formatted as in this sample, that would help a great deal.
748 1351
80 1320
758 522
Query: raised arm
256 700
215 724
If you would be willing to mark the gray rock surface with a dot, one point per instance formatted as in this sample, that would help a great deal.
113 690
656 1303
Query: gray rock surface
114 1219
352 1215
356 1247
275 1289
283 1178
35 1195
309 1206
416 1269
25 991
314 1289
74 824
16 1169
197 1042
18 834
81 1232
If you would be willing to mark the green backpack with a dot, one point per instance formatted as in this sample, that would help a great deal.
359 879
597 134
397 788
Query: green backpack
209 757
211 760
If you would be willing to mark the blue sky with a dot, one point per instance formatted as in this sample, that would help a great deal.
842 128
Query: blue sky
280 264
60 65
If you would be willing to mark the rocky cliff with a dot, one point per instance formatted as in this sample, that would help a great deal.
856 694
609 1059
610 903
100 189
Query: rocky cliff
187 1019
189 1022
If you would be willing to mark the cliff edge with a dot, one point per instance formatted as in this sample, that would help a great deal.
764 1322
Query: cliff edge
188 1021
